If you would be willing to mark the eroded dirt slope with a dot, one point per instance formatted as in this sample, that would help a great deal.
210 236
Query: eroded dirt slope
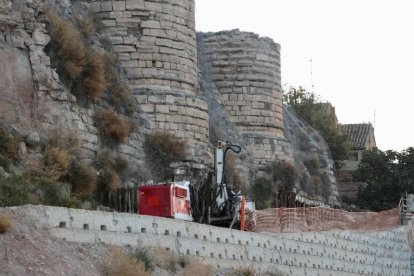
25 250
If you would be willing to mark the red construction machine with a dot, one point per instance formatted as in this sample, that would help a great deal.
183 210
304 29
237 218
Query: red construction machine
214 203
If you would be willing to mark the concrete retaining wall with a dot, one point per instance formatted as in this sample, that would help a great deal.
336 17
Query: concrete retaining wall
307 253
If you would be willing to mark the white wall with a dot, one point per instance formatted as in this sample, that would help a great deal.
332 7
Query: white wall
306 253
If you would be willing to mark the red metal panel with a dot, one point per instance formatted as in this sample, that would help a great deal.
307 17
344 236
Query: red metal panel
155 200
180 192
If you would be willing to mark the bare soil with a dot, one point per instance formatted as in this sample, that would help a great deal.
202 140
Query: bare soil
25 250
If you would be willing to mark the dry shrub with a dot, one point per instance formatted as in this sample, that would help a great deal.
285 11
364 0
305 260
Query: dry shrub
274 272
86 26
121 98
245 271
116 263
112 180
111 74
195 267
161 149
70 48
57 162
94 75
316 184
144 254
5 224
83 178
63 138
166 144
112 125
113 170
168 260
313 164
284 172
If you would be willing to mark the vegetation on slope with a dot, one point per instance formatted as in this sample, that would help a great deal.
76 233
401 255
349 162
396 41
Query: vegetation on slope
389 175
309 107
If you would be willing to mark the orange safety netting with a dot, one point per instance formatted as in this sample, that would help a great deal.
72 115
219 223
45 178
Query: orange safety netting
319 219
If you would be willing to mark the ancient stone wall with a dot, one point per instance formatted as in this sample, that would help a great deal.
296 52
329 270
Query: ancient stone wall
245 69
156 47
156 44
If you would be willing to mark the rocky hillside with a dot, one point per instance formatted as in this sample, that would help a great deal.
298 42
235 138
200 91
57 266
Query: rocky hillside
99 96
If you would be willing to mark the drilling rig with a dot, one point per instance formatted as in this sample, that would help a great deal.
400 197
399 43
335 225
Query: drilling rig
213 203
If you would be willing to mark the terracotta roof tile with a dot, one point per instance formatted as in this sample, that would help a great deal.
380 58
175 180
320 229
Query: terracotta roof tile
358 134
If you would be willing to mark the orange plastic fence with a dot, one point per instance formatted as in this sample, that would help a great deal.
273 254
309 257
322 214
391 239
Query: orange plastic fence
279 220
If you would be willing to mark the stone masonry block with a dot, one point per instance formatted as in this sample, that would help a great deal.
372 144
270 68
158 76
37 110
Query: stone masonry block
95 6
106 6
118 5
151 24
157 7
123 48
135 4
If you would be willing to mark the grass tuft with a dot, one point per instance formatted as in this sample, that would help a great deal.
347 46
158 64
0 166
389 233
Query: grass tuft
117 263
245 271
144 255
197 268
14 191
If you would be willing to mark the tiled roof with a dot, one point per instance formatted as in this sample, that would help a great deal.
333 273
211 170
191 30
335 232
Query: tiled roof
358 134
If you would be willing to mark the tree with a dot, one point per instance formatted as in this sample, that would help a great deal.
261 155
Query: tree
309 107
389 175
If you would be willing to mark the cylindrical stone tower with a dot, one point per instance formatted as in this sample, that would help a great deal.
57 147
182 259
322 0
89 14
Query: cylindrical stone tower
156 44
246 71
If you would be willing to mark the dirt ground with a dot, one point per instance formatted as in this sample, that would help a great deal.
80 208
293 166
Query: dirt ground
25 250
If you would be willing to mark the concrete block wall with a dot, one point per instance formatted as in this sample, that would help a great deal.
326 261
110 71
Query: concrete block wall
155 42
306 253
245 68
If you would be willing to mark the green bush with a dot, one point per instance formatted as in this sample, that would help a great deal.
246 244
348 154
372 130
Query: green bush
54 194
309 107
5 162
263 193
15 190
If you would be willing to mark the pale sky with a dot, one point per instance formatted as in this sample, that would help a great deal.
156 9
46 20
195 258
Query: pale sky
362 54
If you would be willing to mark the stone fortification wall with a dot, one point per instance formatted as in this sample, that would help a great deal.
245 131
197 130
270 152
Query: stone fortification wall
156 47
155 40
245 68
32 97
156 44
306 253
